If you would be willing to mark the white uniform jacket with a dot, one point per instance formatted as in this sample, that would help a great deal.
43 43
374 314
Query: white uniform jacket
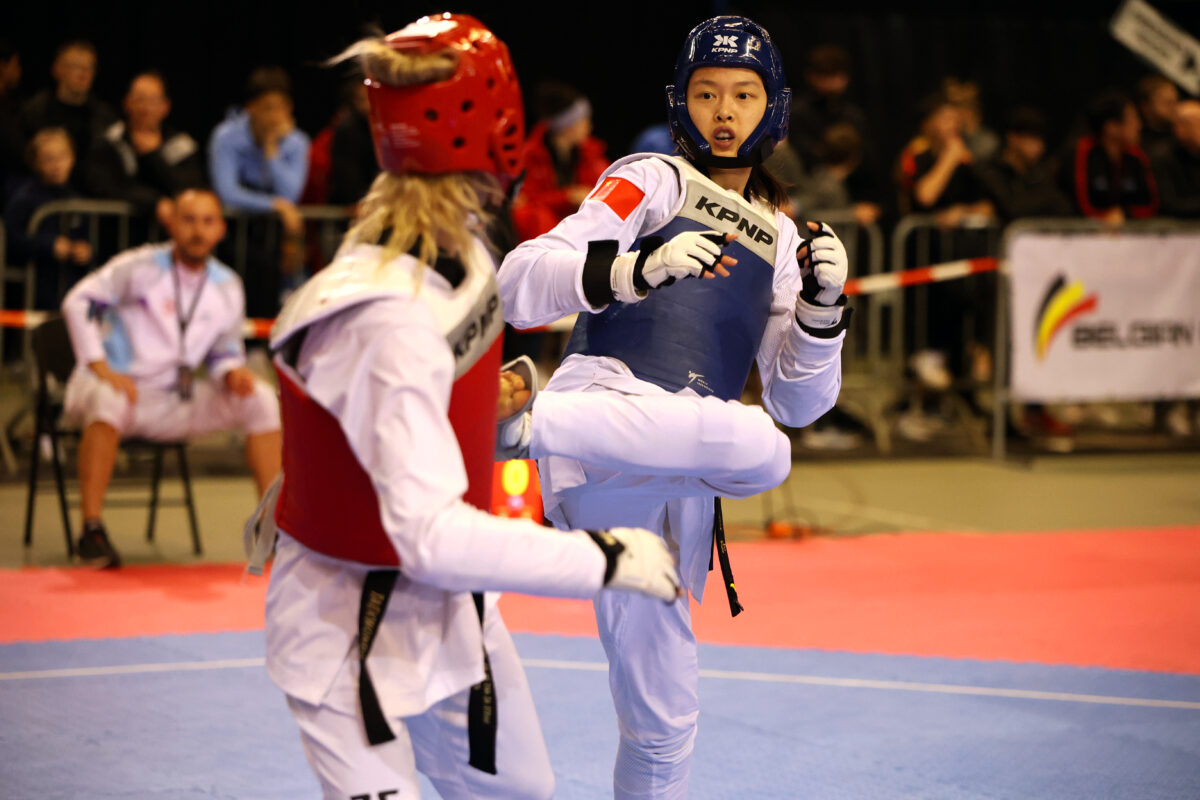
384 369
133 298
541 281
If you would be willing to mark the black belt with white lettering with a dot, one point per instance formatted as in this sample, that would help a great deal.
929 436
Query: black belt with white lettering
481 708
735 607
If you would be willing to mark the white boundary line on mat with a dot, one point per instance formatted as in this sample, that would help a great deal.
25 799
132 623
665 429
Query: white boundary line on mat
592 666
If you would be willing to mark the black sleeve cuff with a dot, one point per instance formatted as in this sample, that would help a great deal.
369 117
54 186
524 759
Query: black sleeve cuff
597 269
611 548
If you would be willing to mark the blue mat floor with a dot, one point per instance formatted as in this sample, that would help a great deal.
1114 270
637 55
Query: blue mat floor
203 720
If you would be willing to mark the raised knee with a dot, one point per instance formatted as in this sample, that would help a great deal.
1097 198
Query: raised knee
762 449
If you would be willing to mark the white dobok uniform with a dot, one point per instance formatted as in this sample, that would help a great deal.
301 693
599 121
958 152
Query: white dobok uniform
128 314
376 354
614 449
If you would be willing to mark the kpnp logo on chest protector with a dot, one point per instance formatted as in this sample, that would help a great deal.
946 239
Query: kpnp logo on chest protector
756 232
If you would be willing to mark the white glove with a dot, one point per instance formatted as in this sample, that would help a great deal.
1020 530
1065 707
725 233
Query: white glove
688 254
824 267
638 561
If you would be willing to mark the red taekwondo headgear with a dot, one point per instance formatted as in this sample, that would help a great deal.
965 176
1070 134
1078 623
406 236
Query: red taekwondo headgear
473 120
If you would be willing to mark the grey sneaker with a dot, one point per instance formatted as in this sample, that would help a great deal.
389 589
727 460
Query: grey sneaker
94 549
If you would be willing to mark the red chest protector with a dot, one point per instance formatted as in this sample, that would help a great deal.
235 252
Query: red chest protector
327 501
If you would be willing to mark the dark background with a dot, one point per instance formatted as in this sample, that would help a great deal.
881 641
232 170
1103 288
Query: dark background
1048 54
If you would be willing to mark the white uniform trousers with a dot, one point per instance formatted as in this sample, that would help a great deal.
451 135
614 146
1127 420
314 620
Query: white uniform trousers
160 414
654 461
434 743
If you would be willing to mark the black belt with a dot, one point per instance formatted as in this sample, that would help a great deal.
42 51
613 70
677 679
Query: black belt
481 708
735 607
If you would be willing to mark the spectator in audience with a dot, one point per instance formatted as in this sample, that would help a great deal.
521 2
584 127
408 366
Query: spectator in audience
60 253
353 163
1177 166
140 159
654 139
1109 175
563 160
12 140
1019 179
71 104
142 326
823 102
840 180
258 158
941 179
1156 100
258 162
981 140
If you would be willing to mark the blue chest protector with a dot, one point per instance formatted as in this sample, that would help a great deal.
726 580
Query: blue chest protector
698 333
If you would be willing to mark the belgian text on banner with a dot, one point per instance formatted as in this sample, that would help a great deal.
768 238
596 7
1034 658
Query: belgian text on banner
1104 316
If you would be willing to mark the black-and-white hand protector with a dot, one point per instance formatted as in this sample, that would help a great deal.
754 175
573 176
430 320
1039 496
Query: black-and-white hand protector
687 255
824 267
638 561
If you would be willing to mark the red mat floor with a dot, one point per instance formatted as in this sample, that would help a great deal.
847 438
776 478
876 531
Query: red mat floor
1117 598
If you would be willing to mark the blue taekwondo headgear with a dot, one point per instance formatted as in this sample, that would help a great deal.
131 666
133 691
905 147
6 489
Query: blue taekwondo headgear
730 41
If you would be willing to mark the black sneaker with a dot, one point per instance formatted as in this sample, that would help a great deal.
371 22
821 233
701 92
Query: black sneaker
94 549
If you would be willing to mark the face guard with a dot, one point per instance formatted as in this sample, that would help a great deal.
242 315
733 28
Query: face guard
473 120
730 42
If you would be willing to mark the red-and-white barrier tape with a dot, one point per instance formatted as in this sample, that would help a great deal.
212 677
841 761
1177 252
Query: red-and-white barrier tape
261 328
915 277
251 328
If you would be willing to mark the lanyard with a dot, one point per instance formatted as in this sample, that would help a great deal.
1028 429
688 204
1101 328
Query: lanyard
184 321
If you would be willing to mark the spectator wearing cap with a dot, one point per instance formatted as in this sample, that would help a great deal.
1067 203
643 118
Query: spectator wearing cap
1109 174
1019 179
1156 100
563 161
141 159
71 104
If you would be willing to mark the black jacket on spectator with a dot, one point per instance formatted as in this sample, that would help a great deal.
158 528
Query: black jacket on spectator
964 186
114 169
1178 174
812 114
1033 193
1098 185
352 162
52 278
85 123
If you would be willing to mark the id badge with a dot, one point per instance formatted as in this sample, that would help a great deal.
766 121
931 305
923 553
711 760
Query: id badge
183 382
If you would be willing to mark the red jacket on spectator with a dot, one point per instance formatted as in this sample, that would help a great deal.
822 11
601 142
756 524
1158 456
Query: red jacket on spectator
1099 185
543 201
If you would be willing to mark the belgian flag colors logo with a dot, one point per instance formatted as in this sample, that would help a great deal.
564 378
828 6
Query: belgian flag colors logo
1062 303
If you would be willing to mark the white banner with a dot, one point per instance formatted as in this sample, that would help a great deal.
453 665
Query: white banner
1104 316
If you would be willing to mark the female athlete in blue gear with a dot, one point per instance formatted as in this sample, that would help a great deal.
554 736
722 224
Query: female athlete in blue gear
684 272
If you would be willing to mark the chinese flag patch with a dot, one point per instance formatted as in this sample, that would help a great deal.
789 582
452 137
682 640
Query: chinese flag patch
620 195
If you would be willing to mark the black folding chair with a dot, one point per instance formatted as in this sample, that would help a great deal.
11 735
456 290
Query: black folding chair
54 359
